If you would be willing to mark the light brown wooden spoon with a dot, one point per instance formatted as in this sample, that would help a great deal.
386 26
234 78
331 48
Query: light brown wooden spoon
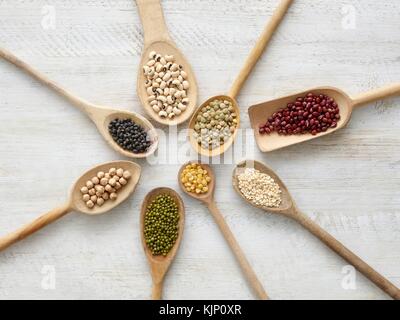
208 200
157 38
101 116
75 202
289 209
159 265
251 61
259 113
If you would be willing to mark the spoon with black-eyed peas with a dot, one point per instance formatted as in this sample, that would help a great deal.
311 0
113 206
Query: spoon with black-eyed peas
107 120
166 84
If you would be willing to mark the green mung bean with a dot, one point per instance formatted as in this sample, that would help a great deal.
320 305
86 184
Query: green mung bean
161 224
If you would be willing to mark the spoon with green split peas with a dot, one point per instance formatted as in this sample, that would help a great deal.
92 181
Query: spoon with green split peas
160 264
76 203
208 200
251 61
288 208
101 116
259 113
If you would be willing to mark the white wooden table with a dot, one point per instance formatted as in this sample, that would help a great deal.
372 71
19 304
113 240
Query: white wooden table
348 182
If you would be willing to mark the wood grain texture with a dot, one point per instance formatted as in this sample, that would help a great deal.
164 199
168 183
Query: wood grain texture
348 182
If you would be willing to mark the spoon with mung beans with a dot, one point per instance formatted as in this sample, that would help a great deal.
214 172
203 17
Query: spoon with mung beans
157 45
210 140
330 100
76 202
160 262
208 199
103 117
289 209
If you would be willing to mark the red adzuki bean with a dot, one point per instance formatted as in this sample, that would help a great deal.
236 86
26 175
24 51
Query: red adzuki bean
310 114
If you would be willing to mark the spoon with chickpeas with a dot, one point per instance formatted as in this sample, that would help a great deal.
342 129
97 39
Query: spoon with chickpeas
97 191
166 84
198 181
260 186
214 125
107 120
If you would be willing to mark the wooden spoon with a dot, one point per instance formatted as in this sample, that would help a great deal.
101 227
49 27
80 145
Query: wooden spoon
157 38
159 265
75 202
251 61
101 116
289 209
261 112
208 200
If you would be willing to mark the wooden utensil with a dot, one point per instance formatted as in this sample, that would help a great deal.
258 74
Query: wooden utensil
208 200
289 209
75 202
259 113
159 265
157 38
251 61
101 116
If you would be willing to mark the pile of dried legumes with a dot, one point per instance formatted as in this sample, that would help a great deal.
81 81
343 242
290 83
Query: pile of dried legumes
195 178
259 188
104 186
166 84
215 124
310 114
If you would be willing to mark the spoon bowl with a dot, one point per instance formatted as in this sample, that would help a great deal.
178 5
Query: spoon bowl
100 115
160 264
157 38
75 201
76 196
289 209
240 80
259 113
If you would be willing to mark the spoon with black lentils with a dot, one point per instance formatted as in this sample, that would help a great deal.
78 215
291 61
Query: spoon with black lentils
126 132
124 180
162 221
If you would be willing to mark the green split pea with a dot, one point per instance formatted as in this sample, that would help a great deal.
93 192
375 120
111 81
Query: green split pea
161 224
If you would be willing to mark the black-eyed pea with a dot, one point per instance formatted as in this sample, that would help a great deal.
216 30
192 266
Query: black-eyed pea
177 111
84 190
113 196
185 85
169 58
152 54
90 204
100 201
156 108
86 197
163 114
183 74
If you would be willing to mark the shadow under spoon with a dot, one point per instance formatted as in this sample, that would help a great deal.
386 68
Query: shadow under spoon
75 202
288 208
101 116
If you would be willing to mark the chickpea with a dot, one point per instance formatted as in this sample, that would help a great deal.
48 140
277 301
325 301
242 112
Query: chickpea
93 198
90 204
112 172
105 195
113 196
95 180
92 192
108 188
104 181
112 182
122 181
100 174
84 190
127 174
86 197
89 184
120 172
100 201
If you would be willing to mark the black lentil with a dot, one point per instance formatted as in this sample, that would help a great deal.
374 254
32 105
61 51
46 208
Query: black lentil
161 224
129 135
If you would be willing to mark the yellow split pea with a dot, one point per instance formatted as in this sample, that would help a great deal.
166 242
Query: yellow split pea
195 179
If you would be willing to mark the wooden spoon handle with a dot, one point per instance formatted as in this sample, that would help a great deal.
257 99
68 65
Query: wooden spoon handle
244 264
153 22
258 49
80 103
34 226
377 94
157 291
346 254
